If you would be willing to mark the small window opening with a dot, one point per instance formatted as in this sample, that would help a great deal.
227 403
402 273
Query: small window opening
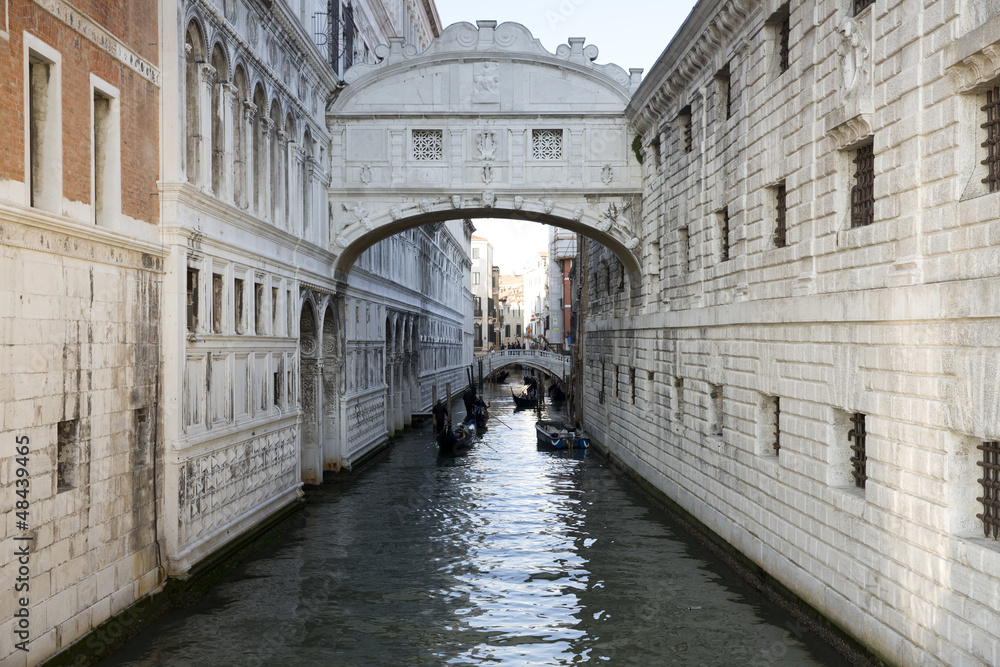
859 458
68 455
239 319
192 299
218 308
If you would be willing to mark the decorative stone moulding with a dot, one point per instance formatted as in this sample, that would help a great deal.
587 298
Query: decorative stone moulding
487 38
395 213
456 201
855 57
366 174
975 71
425 205
548 205
518 202
489 199
849 132
361 214
607 174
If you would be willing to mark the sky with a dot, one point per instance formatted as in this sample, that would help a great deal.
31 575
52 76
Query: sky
629 33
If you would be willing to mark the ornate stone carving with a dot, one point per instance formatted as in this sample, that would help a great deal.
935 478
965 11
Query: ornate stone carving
489 199
341 241
456 201
578 213
607 173
361 214
632 243
487 173
395 213
307 332
486 143
852 131
518 202
486 78
366 174
977 69
548 205
425 205
854 52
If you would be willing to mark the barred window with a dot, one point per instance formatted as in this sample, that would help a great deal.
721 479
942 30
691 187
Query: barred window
992 143
546 144
780 223
859 458
777 424
863 190
684 122
861 5
724 233
784 29
428 144
724 90
991 489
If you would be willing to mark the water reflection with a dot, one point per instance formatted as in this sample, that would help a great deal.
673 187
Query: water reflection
503 556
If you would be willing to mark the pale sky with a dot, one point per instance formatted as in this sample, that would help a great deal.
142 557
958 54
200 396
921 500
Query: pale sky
629 33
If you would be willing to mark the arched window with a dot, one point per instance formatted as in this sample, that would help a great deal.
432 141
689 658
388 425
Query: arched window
194 48
276 165
218 121
307 226
259 154
286 185
240 139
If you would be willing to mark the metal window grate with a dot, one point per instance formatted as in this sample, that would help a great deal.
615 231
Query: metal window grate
777 425
863 191
991 489
686 129
784 29
861 5
724 220
992 143
780 228
860 459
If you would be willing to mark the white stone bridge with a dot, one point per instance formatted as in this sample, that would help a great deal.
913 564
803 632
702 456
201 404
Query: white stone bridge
550 362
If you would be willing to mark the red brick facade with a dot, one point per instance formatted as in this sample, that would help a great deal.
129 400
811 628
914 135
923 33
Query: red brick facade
135 24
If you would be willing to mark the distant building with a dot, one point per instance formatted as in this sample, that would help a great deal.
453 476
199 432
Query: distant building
511 309
482 292
562 252
536 300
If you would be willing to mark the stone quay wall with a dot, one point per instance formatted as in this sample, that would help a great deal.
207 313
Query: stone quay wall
791 344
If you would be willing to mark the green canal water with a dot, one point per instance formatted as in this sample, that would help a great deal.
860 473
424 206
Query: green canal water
506 555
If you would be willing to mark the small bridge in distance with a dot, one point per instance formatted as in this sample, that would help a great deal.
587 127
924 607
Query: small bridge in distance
550 362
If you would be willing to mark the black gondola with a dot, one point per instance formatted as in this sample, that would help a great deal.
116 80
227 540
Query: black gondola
524 401
556 392
452 440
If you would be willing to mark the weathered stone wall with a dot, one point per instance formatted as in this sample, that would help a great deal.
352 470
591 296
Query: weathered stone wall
896 320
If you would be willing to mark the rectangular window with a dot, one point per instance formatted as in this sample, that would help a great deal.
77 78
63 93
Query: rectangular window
141 432
507 330
678 407
428 145
67 455
274 311
258 309
475 253
631 379
518 328
723 91
192 299
686 130
991 489
475 278
859 457
600 394
863 187
715 417
685 249
861 5
239 316
217 303
723 216
106 143
546 144
780 223
992 144
776 415
780 28
44 133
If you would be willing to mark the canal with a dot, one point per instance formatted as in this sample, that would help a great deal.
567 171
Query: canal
506 555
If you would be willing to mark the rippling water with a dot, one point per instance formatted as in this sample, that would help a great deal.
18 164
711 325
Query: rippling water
504 556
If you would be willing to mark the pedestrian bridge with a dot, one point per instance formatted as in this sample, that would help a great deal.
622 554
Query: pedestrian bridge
550 362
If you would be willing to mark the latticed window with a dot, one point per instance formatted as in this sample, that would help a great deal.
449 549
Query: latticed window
546 144
784 29
859 458
863 190
428 145
780 222
861 5
724 223
992 143
991 489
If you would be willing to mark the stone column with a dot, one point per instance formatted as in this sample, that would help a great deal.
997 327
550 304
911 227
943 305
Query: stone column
308 199
295 156
246 177
280 191
266 128
311 393
227 101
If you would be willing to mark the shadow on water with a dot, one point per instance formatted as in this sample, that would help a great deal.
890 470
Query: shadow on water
501 555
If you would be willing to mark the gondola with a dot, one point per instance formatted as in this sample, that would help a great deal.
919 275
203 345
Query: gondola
555 435
482 415
453 440
524 401
556 392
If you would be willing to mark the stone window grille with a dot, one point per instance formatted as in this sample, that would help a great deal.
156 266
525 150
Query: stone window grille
992 143
991 489
859 458
546 144
861 5
428 144
192 299
67 455
863 189
724 233
780 220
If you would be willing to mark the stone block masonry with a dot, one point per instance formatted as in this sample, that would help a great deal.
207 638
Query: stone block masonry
855 364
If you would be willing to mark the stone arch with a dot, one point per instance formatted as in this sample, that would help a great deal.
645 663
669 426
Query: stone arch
330 372
310 453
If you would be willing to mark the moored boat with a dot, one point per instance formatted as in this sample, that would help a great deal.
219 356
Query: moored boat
524 401
556 435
